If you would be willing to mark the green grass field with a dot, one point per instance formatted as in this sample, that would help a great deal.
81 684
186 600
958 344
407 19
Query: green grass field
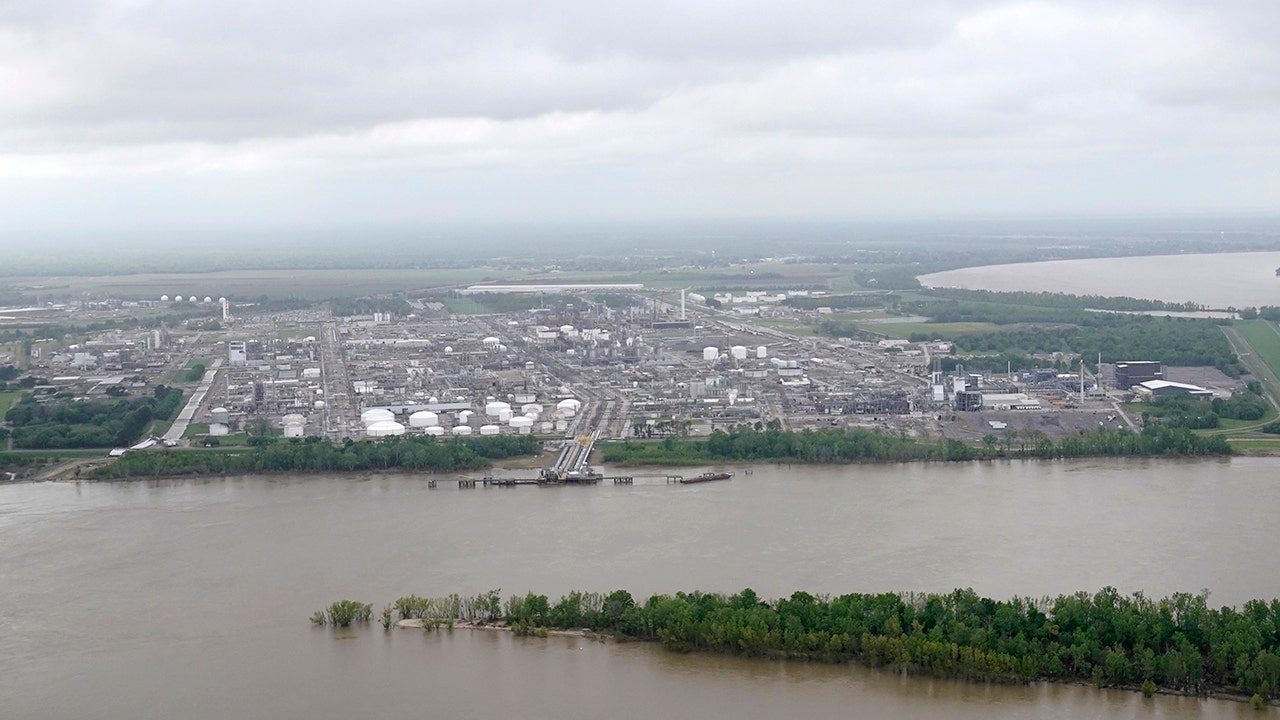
7 399
307 284
934 329
1264 338
464 305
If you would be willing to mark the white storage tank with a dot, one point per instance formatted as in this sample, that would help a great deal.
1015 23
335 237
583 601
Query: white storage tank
435 431
376 415
504 415
710 353
546 427
294 419
293 430
528 408
218 430
490 341
762 352
319 404
522 424
220 415
739 352
461 429
423 419
464 417
495 408
489 429
384 428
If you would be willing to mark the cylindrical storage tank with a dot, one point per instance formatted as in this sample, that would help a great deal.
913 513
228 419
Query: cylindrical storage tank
490 341
569 404
710 353
531 408
462 430
504 415
219 415
562 425
376 415
495 408
293 430
489 429
294 418
739 352
384 428
218 430
435 431
533 416
546 427
319 404
464 417
522 424
762 352
423 418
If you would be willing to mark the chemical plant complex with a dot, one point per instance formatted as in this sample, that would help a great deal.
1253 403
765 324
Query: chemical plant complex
576 367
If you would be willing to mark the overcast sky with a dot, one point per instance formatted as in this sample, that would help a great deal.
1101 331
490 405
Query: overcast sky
131 114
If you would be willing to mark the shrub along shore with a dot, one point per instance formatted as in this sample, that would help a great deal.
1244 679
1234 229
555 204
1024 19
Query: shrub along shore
1175 644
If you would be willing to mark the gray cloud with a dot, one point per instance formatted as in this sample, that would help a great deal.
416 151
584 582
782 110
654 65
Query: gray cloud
683 108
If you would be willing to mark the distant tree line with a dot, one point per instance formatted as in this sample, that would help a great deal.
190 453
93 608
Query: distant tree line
67 423
406 452
1107 638
1064 300
346 307
745 443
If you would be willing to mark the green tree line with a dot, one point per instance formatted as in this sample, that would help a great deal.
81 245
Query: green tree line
312 454
745 443
1179 642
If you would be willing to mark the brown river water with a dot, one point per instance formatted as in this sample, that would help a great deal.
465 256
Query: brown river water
1214 280
190 598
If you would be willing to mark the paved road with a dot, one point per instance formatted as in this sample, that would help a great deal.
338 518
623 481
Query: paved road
179 426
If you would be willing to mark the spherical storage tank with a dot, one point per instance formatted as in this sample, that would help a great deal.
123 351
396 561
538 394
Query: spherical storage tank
435 431
384 428
164 298
739 352
376 415
424 419
461 429
489 429
710 353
